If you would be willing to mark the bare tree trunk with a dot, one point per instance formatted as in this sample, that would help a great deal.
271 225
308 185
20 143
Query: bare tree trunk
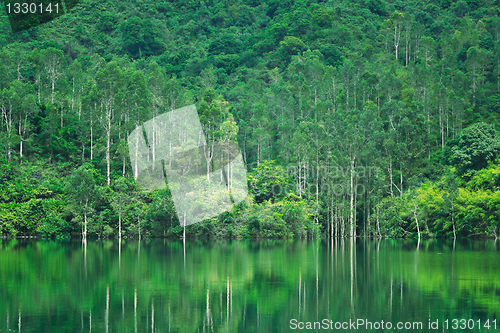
397 35
91 136
453 221
136 156
299 171
53 87
378 223
400 179
415 215
153 144
108 148
208 151
407 38
317 179
120 224
73 98
352 199
184 227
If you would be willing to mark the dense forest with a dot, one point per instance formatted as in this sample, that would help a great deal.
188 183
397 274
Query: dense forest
354 118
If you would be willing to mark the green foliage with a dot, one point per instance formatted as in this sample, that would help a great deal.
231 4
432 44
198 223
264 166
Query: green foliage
269 181
107 22
493 109
477 145
53 225
332 55
228 62
227 44
11 218
292 45
139 37
289 217
391 219
445 208
376 6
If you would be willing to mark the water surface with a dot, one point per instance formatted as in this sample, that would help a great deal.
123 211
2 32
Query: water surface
247 286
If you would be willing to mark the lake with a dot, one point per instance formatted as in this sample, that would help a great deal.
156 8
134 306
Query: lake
249 286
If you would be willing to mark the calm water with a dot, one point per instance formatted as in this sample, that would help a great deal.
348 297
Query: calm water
247 286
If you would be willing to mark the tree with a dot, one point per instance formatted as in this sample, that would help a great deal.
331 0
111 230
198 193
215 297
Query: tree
75 70
228 147
475 146
376 6
397 22
8 125
427 50
140 38
53 60
332 55
81 189
292 45
269 181
449 197
211 118
109 84
119 201
23 103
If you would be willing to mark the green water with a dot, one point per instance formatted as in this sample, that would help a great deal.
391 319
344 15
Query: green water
247 286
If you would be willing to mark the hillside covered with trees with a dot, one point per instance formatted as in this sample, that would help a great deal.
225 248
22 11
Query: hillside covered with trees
354 118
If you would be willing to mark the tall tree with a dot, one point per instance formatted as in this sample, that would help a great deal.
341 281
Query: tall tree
119 201
53 65
110 86
82 191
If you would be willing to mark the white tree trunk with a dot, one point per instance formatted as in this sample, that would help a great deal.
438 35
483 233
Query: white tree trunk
91 138
415 215
120 224
85 220
108 148
352 199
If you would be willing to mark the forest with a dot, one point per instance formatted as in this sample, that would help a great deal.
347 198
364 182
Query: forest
365 118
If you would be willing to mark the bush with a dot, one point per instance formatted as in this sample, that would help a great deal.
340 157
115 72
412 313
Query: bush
53 226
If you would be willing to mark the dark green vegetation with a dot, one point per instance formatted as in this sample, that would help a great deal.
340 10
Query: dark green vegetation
354 117
245 286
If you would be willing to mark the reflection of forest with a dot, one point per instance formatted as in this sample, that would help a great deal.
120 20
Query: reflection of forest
244 286
460 272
